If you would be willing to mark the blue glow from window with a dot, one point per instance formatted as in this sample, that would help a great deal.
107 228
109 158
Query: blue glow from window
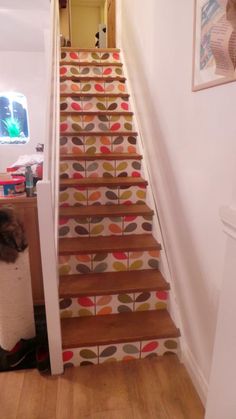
14 127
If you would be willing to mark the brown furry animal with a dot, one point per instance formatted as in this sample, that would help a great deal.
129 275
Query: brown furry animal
12 235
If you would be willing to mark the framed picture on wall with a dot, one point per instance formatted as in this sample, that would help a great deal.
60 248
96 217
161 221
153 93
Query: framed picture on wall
214 52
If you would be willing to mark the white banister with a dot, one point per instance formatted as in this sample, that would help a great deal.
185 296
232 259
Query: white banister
221 402
47 193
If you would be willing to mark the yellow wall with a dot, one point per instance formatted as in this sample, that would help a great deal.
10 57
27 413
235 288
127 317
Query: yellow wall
64 22
85 22
105 12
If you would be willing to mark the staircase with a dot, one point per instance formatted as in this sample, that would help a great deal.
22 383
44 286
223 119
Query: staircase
113 298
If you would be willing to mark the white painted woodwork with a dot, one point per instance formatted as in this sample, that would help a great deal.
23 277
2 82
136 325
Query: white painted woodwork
221 401
48 199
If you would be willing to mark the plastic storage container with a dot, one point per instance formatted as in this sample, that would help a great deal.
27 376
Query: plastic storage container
11 186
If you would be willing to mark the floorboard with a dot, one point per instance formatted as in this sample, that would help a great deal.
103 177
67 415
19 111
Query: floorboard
149 389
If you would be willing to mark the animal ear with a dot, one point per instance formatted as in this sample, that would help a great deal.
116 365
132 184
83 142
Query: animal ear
5 216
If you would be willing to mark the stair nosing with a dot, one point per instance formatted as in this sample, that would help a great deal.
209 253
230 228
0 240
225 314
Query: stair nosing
100 134
100 156
117 323
94 245
95 78
102 182
103 95
69 286
96 113
90 64
103 211
73 49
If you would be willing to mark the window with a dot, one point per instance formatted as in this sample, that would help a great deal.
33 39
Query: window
13 118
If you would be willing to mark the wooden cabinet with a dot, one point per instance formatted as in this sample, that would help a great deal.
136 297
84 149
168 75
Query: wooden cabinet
26 208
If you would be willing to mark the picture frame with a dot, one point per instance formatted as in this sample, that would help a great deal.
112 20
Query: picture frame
214 43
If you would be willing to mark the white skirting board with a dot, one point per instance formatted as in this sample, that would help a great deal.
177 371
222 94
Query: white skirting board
16 303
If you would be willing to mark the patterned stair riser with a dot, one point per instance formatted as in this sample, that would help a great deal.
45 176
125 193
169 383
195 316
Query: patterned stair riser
105 144
102 195
90 57
104 226
93 86
91 71
100 168
99 80
94 104
108 262
98 123
93 355
113 304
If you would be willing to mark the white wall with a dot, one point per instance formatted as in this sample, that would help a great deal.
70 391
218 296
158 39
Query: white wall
25 72
23 66
190 147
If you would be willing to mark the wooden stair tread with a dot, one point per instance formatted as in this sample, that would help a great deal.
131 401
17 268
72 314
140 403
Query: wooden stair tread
80 78
108 244
103 95
100 134
117 328
105 211
100 156
89 63
71 49
95 113
103 181
109 283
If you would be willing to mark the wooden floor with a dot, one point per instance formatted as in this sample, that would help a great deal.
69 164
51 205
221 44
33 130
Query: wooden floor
148 389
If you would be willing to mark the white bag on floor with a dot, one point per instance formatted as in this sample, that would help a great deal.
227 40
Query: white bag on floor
16 303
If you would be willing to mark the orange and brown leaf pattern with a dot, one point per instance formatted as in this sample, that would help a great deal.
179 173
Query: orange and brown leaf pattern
94 355
113 304
108 262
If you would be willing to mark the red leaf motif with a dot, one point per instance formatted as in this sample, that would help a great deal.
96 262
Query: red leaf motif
77 176
151 346
86 302
99 88
63 71
63 221
74 56
105 150
107 71
127 202
162 295
67 355
115 127
116 56
129 218
125 106
136 174
76 107
63 127
120 256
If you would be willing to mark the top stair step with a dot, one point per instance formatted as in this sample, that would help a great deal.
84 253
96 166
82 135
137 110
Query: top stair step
73 49
90 56
89 63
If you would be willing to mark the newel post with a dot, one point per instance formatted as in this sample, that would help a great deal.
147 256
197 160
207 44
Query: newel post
221 402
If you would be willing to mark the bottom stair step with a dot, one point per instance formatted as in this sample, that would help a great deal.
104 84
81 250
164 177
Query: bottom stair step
118 337
116 328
